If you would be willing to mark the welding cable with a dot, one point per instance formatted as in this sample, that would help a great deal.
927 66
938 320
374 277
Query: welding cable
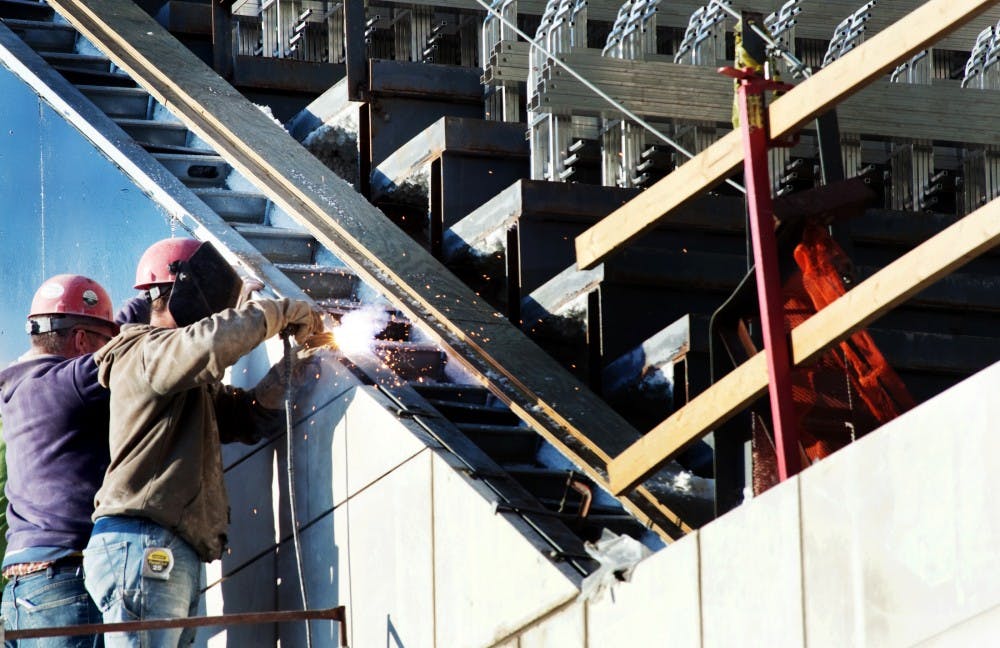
600 93
290 459
713 322
787 234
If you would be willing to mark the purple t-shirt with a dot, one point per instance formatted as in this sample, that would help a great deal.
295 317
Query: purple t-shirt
55 424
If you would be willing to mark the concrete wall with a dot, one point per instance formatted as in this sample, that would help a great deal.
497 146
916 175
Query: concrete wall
890 542
392 528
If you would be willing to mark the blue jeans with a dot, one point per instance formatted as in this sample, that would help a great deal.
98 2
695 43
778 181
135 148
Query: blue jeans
50 598
113 562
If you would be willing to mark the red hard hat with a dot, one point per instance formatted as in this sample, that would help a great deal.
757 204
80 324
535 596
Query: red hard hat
155 265
69 295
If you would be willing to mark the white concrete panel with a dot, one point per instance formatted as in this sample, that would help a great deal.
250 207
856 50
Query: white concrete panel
338 461
489 579
391 558
565 629
377 440
900 530
251 506
320 427
751 576
981 630
259 491
324 565
658 606
342 567
320 458
232 453
211 602
251 589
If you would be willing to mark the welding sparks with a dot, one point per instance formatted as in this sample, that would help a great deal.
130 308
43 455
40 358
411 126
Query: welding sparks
358 329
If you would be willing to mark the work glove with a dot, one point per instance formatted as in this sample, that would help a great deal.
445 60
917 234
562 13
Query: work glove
299 317
307 366
303 319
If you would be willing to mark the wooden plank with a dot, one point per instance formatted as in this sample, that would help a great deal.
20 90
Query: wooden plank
808 100
536 388
890 287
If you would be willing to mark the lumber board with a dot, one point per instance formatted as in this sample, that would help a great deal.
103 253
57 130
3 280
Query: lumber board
904 278
808 100
531 383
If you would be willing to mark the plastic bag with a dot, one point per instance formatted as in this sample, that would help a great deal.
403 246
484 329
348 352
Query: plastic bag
617 555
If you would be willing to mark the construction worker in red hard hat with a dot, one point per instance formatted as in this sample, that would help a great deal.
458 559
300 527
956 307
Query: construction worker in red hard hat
56 428
163 508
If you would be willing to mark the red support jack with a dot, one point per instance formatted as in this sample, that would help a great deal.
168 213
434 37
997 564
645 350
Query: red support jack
756 143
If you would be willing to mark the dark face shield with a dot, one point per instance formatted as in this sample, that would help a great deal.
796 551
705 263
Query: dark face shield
206 284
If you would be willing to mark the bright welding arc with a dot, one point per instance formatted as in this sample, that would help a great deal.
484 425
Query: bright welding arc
600 93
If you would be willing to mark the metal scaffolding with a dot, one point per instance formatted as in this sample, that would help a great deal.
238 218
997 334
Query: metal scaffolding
563 26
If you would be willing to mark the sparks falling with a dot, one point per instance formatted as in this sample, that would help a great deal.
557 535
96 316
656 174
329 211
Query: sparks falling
358 329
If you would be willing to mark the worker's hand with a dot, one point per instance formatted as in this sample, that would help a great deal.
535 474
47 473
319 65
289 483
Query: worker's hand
307 366
303 318
250 286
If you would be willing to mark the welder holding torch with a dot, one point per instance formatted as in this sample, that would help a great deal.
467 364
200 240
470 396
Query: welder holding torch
162 509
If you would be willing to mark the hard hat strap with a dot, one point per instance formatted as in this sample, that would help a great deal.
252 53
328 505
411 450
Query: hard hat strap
155 292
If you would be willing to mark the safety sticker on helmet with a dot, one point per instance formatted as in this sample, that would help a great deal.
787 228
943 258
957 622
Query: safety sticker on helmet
51 290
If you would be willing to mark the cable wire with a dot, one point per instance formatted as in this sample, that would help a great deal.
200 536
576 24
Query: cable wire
600 93
290 458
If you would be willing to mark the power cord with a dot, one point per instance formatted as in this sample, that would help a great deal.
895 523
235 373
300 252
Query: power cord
296 541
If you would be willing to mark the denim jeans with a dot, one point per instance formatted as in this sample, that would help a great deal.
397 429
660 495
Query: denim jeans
113 564
49 598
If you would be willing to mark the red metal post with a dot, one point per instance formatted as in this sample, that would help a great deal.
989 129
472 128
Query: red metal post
756 142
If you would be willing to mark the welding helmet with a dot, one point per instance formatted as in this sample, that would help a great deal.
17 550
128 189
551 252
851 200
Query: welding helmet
69 300
199 280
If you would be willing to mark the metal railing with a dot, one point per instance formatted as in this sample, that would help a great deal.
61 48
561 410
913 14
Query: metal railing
338 614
